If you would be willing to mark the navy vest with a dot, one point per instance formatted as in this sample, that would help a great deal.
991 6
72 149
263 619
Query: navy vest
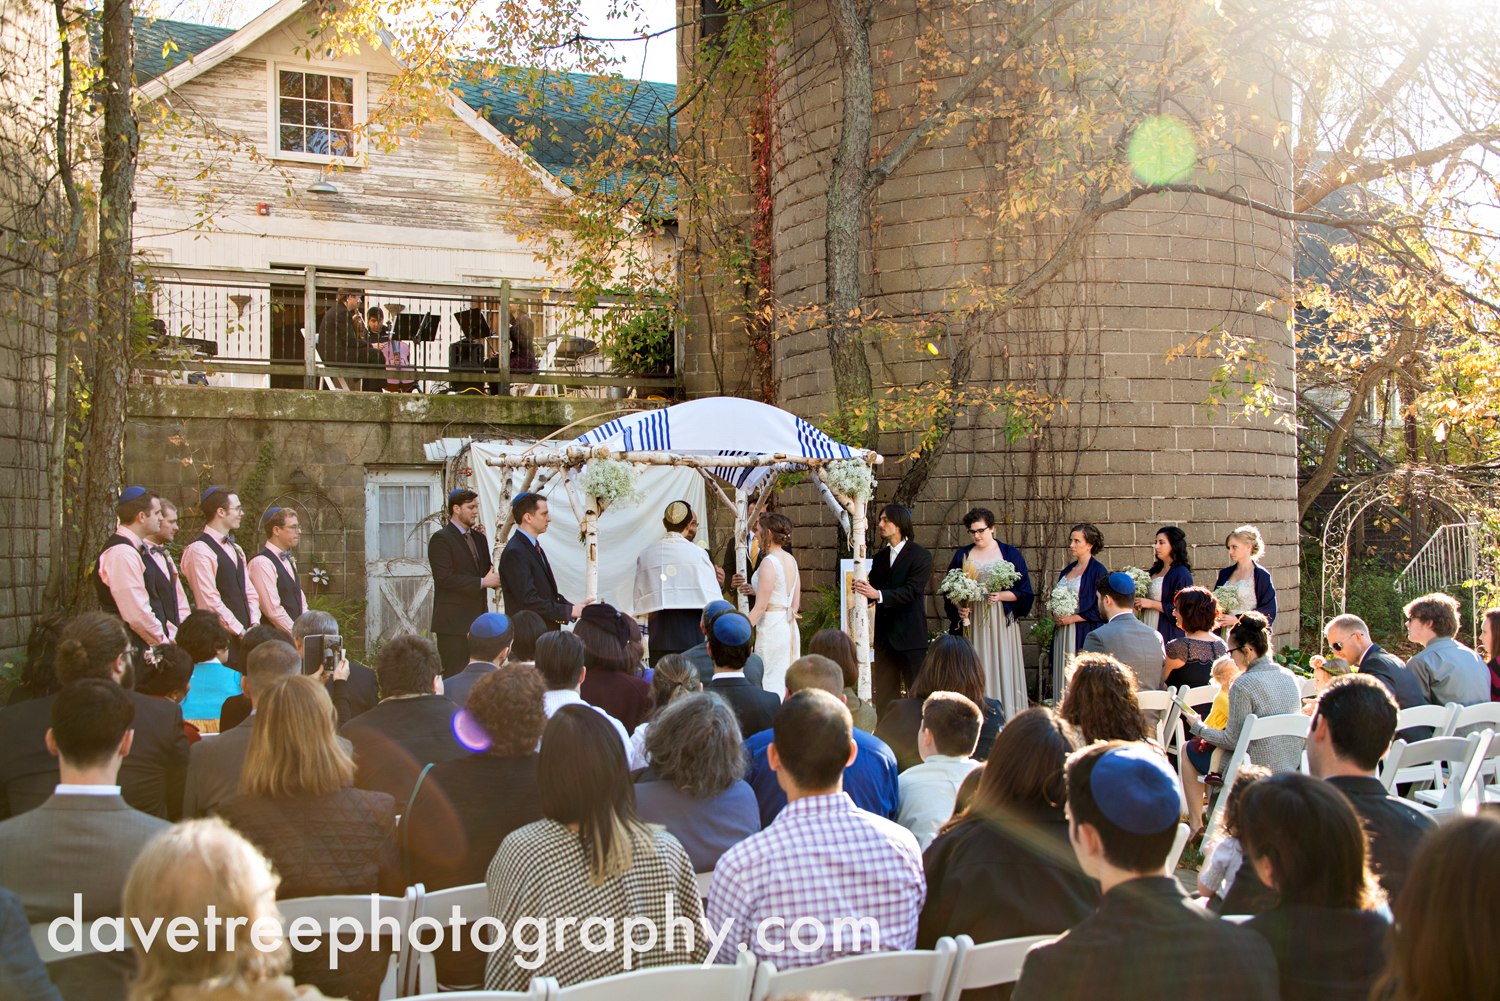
153 594
287 588
164 583
229 580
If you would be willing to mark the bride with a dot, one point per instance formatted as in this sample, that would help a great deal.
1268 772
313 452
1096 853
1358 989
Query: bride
777 587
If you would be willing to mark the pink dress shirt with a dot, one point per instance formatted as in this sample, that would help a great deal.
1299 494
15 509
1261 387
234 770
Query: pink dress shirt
164 560
262 576
123 573
199 565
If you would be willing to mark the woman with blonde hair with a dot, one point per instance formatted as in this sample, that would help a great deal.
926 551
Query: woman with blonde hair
777 587
1247 576
673 677
297 803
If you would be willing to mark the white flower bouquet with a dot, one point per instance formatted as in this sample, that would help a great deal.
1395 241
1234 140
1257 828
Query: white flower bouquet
1228 598
1000 575
1142 581
1062 602
612 480
961 589
850 478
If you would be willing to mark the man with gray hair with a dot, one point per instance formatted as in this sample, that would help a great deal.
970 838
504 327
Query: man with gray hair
1349 638
699 657
353 695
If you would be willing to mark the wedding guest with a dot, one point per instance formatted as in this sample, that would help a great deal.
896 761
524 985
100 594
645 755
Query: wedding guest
994 628
526 627
777 587
695 786
899 575
591 855
205 639
1224 854
23 976
1265 689
729 645
1171 572
489 641
1101 702
1349 637
1081 576
559 660
1205 759
1249 578
236 708
671 679
1490 638
950 666
927 792
700 658
1324 670
1306 843
1125 637
1003 867
39 670
836 645
612 654
1442 944
1447 670
352 686
1192 654
167 674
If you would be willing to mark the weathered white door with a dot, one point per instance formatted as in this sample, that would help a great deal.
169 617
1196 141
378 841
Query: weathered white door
401 504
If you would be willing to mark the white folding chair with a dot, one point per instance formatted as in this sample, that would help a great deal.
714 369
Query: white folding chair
1193 697
875 974
339 911
729 983
704 879
1160 703
85 941
1255 728
1455 789
540 990
472 902
1465 717
990 964
1440 718
1178 844
335 383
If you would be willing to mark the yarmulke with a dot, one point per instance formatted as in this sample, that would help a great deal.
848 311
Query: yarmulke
715 607
131 493
267 516
677 516
204 496
1136 790
1121 583
489 625
455 492
732 629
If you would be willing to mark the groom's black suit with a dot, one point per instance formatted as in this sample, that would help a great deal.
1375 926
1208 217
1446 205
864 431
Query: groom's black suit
900 619
526 581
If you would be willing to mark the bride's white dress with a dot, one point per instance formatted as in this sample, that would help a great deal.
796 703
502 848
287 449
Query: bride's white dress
777 639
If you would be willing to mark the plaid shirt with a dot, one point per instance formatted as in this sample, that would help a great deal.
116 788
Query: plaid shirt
826 859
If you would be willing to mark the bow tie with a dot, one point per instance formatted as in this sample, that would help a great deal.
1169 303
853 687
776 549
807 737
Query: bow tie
286 558
159 550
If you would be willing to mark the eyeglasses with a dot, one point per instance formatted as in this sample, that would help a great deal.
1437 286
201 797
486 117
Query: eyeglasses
1234 649
979 531
1337 646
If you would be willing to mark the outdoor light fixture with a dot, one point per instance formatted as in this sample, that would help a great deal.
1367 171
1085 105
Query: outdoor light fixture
299 478
321 186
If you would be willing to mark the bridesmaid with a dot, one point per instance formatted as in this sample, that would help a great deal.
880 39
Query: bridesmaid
1257 593
1171 572
1084 542
996 635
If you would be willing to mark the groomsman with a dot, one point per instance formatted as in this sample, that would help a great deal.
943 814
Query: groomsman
215 568
899 575
459 555
273 573
169 581
120 577
526 579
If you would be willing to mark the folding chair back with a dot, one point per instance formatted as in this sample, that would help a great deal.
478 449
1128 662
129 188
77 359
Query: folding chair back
704 879
1481 713
729 983
1440 718
473 903
540 990
342 915
1193 697
1178 844
1160 703
1456 788
990 964
1255 728
1308 686
876 974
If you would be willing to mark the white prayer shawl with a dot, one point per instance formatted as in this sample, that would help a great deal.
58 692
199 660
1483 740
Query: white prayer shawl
674 573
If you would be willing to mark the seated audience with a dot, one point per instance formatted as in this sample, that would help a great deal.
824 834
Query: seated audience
489 642
927 792
39 671
1223 854
1125 637
214 767
23 975
1265 688
591 857
237 707
526 627
950 666
205 639
84 838
411 727
836 645
870 780
612 648
1306 844
95 645
182 872
1490 640
297 804
168 675
1146 940
1349 637
1100 700
1442 945
1003 868
695 786
822 859
559 660
1204 762
1446 670
729 644
354 693
1191 656
671 679
1352 729
699 657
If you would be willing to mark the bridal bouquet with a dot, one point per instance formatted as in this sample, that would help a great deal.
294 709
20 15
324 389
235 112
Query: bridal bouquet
998 576
1062 602
1228 598
1142 581
961 589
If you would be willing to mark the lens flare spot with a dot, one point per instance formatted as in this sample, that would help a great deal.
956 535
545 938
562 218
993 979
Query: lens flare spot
1162 150
469 733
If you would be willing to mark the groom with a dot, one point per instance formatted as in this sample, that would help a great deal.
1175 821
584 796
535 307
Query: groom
898 585
526 580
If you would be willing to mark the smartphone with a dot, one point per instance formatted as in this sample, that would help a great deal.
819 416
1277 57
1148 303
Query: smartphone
321 652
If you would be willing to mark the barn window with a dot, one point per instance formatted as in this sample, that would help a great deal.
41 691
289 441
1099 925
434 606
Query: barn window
315 113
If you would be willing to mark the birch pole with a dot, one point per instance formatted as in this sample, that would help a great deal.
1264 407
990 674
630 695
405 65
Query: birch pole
741 523
861 603
591 511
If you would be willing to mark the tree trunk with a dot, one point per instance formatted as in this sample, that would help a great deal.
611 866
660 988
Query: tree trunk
914 480
104 458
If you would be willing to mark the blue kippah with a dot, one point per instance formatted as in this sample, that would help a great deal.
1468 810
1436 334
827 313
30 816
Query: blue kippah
1121 582
1136 790
455 492
267 516
489 625
204 496
715 607
131 493
732 629
523 493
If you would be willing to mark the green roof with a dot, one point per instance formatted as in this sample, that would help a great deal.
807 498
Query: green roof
162 44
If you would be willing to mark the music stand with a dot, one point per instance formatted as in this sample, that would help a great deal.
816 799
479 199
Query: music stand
421 327
473 323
